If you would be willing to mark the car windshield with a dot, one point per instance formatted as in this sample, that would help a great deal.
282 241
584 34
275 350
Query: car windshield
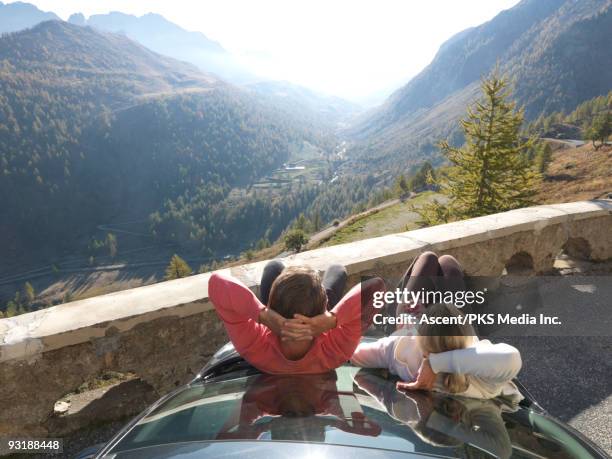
348 407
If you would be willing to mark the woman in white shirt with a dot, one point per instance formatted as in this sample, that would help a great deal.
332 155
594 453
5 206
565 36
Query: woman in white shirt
446 358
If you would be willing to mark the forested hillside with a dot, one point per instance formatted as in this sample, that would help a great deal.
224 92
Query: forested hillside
556 52
95 128
163 36
576 123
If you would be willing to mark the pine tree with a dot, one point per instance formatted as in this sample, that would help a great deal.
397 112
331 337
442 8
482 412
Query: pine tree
29 294
301 223
491 172
600 130
177 268
543 157
263 243
316 221
401 185
11 309
420 180
295 239
111 242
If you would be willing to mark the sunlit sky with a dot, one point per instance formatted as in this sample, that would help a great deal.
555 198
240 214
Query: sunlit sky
350 48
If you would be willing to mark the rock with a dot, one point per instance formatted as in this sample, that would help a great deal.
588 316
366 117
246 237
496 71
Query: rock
61 407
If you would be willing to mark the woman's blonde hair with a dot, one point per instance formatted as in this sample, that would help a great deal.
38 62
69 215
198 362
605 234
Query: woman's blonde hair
434 338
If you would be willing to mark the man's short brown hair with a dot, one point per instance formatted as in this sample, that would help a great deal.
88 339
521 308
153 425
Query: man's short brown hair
298 290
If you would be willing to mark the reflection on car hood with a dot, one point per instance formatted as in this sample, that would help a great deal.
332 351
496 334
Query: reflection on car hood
348 407
258 450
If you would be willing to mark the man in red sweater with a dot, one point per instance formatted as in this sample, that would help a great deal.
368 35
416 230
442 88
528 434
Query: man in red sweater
301 330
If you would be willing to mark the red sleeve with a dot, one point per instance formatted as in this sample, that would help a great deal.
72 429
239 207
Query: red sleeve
239 309
353 315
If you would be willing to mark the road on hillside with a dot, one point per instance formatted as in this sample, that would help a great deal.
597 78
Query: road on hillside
329 232
569 142
575 143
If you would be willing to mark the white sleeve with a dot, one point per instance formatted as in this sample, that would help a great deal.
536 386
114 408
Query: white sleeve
497 363
378 354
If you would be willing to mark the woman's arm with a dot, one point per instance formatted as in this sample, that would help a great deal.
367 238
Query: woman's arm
378 354
497 363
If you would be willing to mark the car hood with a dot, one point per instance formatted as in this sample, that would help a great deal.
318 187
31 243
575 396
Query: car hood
258 450
348 407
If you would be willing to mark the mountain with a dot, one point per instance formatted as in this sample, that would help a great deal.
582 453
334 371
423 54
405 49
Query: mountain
151 30
17 16
95 128
164 37
556 52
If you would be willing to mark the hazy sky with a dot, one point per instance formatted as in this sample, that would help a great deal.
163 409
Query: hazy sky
350 48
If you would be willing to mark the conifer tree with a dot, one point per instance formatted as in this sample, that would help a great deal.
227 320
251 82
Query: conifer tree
301 223
543 157
316 221
295 239
600 130
421 178
263 243
491 172
401 185
111 242
177 268
12 309
29 294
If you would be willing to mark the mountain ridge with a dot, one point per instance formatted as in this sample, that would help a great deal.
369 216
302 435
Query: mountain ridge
528 42
167 38
120 20
19 15
164 37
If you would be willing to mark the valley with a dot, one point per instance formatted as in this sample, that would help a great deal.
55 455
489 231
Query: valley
119 149
146 147
141 258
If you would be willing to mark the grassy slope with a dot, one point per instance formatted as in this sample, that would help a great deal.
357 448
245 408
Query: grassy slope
394 219
574 174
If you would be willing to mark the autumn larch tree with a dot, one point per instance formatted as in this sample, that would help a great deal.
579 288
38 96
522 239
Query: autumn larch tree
492 171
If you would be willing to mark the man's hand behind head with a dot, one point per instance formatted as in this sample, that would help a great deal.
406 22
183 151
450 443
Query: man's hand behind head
303 327
273 320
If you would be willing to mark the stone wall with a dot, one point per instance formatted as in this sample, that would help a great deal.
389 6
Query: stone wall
165 332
